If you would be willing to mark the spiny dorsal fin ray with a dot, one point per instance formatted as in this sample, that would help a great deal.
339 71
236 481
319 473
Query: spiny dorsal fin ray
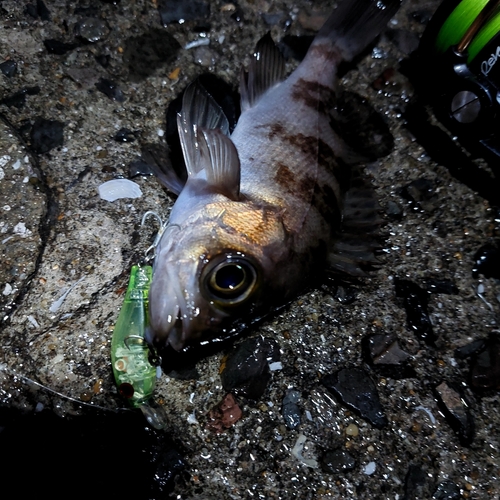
267 68
199 110
220 160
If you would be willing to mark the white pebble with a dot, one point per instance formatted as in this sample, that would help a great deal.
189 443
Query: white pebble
197 43
297 452
4 160
369 468
192 418
117 189
33 321
7 290
2 173
275 366
17 165
21 229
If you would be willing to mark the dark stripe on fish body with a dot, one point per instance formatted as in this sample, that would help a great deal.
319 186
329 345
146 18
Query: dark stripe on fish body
314 95
294 184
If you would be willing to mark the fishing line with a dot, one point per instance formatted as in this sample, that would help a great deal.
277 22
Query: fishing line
60 394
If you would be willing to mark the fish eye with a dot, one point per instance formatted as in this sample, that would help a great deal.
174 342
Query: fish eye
229 279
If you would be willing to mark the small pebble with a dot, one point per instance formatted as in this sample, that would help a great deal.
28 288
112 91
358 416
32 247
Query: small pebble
352 430
92 29
8 68
369 468
110 89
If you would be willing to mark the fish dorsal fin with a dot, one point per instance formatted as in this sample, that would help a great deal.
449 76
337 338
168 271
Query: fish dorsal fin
267 68
220 160
199 110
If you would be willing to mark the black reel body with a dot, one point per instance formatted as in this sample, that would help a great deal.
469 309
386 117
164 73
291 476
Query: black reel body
461 50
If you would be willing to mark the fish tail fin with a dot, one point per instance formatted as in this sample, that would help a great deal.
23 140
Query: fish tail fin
355 23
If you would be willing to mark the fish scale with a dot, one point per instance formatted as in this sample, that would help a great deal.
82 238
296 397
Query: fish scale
268 209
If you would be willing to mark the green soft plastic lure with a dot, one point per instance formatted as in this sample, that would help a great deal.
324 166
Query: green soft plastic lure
135 376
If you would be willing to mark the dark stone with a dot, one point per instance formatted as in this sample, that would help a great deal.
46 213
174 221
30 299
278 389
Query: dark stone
384 353
110 89
8 68
124 135
103 60
393 210
290 409
57 47
17 100
139 167
421 194
42 10
91 29
39 10
485 366
487 261
468 350
357 391
416 484
31 11
345 295
447 490
172 11
441 286
415 303
336 461
274 19
46 135
245 370
146 53
452 402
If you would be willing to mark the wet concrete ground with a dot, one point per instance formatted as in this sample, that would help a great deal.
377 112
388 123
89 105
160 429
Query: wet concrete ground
66 256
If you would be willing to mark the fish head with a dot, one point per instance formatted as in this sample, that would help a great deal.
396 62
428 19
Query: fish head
214 271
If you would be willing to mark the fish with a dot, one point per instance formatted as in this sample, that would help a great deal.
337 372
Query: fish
266 209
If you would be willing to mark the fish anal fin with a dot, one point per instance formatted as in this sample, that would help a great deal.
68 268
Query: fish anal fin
220 160
267 68
199 110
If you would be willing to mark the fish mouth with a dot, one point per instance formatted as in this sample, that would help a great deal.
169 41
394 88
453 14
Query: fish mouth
187 332
179 315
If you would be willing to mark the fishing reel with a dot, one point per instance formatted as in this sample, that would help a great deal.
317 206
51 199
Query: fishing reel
461 50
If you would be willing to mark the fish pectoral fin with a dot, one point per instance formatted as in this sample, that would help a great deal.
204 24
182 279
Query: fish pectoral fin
199 110
157 158
267 68
220 160
353 252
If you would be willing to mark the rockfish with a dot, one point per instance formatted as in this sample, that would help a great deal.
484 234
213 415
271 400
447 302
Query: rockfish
268 208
